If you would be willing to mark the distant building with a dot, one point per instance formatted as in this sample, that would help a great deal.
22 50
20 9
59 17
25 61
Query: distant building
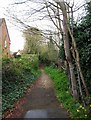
17 54
4 39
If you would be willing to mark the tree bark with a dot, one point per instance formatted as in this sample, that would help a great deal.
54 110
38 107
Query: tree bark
67 50
78 63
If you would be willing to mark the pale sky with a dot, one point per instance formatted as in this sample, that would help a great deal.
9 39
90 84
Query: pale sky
17 41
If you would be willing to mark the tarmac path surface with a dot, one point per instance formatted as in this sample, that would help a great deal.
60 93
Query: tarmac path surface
39 101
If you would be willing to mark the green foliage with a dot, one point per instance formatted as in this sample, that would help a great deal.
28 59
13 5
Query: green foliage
35 44
82 33
62 52
48 53
17 75
52 52
61 85
33 40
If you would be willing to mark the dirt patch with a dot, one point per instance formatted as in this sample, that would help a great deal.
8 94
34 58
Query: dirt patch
40 96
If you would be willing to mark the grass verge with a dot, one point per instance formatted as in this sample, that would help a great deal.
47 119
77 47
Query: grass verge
61 84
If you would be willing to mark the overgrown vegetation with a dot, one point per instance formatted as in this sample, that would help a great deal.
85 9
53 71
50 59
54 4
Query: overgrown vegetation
49 53
35 44
61 84
17 75
33 40
82 33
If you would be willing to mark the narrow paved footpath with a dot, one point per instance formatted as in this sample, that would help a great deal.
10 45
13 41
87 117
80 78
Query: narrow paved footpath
39 101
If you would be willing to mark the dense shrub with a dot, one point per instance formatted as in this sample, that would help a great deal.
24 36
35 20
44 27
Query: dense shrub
82 33
17 75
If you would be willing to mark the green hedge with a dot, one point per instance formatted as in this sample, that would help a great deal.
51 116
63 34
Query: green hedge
17 75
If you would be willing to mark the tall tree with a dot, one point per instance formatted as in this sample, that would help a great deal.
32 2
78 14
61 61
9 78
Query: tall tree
67 49
33 40
52 51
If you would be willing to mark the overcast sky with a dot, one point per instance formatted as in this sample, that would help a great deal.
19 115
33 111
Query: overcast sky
17 41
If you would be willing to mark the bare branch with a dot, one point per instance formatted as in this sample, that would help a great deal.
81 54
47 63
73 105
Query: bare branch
17 3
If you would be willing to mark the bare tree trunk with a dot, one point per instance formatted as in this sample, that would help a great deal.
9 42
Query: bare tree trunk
80 88
68 73
67 51
66 45
72 24
76 57
78 63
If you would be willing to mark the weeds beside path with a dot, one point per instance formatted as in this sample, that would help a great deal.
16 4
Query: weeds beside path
41 95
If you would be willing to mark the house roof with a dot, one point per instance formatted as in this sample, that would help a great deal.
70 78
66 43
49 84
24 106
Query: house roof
0 22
